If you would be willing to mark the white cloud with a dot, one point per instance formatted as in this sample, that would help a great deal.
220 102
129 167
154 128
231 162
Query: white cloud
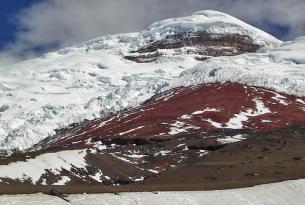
65 22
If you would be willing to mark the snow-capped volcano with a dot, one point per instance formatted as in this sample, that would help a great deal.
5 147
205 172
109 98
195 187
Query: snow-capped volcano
99 77
125 108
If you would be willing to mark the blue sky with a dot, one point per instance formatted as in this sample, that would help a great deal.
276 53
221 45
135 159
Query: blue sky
9 26
31 27
8 10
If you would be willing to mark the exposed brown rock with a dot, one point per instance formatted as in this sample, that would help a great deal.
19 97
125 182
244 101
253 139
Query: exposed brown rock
204 45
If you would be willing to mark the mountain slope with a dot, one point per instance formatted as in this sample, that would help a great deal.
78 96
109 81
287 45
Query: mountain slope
183 110
170 131
99 77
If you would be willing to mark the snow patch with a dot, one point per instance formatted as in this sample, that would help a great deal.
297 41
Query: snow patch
237 121
137 179
231 139
63 181
213 123
179 127
205 110
267 121
97 177
132 130
33 169
279 98
301 101
123 159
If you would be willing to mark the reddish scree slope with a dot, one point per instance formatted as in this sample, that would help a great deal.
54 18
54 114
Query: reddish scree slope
205 107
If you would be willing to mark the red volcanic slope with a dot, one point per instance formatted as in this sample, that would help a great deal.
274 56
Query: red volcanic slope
205 107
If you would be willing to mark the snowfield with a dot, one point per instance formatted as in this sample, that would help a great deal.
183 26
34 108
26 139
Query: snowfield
31 199
93 79
289 192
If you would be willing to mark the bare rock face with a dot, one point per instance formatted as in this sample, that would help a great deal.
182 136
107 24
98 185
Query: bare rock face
201 45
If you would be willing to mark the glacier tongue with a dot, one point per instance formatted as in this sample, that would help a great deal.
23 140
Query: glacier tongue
42 97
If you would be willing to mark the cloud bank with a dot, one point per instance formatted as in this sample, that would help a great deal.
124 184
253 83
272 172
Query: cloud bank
52 24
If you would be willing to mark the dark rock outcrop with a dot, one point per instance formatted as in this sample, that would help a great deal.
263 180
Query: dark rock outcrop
200 44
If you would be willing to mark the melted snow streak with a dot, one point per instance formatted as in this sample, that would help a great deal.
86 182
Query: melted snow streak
93 80
281 69
289 192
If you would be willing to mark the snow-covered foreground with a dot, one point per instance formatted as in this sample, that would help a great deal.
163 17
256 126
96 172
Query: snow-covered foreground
35 199
289 192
